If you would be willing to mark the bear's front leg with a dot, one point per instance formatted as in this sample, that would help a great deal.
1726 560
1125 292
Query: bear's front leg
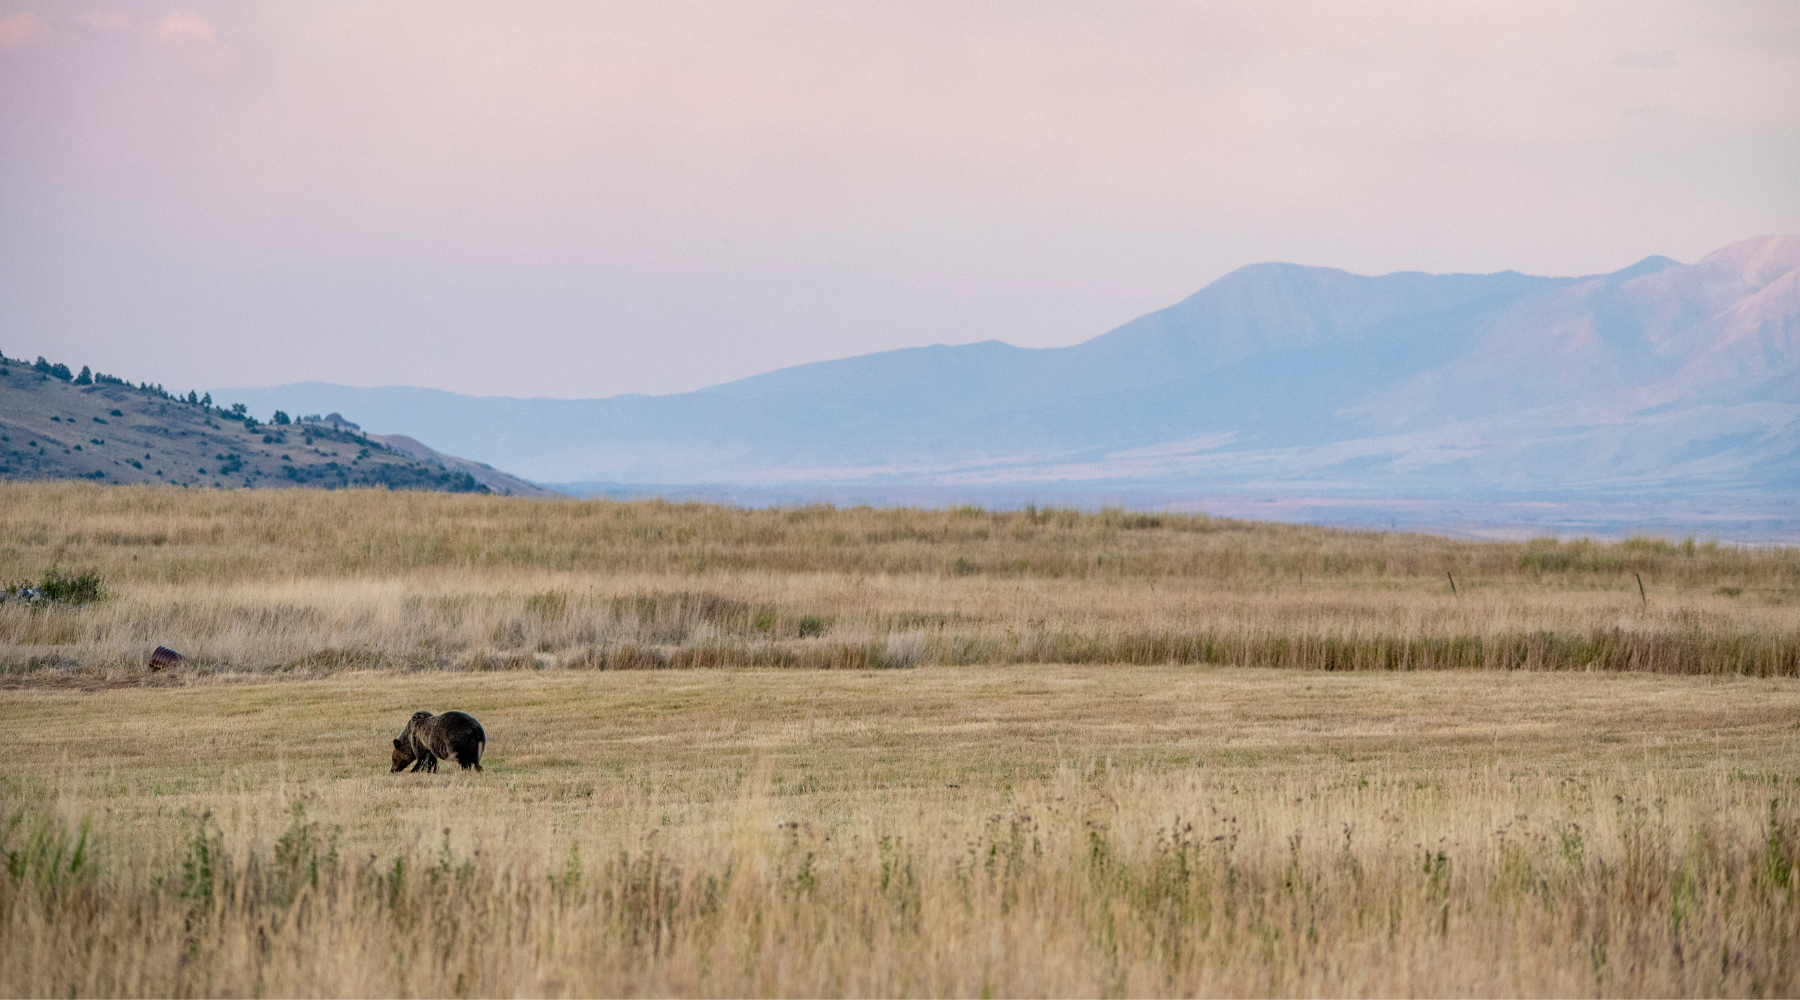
420 764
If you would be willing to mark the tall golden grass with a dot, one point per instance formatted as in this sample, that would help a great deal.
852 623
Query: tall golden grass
169 536
306 583
948 831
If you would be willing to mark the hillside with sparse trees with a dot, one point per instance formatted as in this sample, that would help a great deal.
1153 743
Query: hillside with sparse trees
56 423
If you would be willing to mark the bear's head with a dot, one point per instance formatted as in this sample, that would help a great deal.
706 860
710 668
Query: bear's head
403 756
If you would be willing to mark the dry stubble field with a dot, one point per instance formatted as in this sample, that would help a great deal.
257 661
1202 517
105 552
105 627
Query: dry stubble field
1096 779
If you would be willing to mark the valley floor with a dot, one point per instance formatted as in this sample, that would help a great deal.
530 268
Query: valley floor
1121 753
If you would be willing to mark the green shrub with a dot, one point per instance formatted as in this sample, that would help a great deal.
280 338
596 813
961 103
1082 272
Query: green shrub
72 587
1545 562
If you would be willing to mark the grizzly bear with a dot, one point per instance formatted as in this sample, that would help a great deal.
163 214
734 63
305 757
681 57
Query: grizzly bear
428 737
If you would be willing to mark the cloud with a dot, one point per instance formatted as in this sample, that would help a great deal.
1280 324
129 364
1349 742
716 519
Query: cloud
182 29
20 28
1646 60
106 20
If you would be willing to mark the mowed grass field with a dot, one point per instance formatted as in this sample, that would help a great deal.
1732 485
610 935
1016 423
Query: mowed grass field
1013 830
1127 754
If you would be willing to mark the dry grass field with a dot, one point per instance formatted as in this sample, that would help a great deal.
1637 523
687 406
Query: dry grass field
307 583
1096 779
1013 830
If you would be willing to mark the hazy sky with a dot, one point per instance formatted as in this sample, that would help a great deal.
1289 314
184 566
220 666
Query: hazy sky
587 199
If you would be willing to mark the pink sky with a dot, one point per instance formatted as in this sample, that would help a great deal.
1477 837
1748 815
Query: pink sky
584 199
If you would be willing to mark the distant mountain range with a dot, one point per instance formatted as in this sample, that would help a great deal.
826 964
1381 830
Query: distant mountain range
1661 377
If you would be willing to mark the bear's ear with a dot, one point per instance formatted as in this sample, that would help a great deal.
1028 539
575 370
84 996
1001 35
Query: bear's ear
399 745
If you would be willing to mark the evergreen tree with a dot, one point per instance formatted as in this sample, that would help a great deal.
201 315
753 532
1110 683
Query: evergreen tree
279 418
193 397
206 400
85 378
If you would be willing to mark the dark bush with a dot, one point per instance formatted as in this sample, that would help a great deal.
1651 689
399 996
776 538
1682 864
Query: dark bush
72 587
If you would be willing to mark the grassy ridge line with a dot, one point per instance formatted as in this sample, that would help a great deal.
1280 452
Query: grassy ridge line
309 583
160 535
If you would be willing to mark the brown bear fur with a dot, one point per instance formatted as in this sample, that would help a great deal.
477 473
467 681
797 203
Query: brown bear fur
427 738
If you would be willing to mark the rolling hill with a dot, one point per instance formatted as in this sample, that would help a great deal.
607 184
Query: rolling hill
53 427
1661 376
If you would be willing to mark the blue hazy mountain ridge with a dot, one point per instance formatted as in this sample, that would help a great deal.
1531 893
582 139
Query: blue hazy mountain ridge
932 403
1660 375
